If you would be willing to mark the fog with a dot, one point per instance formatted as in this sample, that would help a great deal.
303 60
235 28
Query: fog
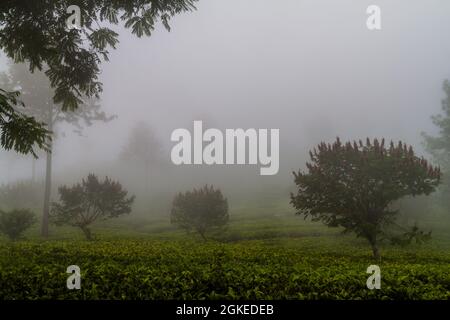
309 68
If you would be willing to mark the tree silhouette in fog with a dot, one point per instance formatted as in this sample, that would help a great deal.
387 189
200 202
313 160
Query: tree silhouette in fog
142 151
439 146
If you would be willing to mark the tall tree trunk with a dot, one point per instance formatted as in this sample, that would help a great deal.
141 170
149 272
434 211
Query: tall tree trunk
48 180
33 169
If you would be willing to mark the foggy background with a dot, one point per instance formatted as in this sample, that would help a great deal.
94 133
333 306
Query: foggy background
309 68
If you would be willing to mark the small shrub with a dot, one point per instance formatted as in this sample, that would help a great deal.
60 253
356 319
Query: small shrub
14 223
200 210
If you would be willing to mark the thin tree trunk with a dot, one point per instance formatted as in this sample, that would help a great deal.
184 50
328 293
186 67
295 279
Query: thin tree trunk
33 169
375 250
48 181
48 186
87 233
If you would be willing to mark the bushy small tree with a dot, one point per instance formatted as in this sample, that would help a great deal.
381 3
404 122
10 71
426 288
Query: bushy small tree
200 210
89 201
353 185
14 223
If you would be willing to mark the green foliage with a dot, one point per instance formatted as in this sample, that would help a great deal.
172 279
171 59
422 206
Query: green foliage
36 94
18 131
200 210
83 204
414 234
13 223
36 32
139 269
354 185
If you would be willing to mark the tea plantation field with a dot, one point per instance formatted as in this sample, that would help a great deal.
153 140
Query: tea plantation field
271 259
136 269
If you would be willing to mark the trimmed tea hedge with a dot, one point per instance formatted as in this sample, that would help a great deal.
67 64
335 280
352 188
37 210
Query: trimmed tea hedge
132 269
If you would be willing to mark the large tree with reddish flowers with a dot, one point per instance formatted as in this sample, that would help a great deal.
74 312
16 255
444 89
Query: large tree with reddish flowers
353 185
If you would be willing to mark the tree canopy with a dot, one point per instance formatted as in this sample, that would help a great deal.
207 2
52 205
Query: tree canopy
353 185
36 94
91 200
18 131
200 210
36 32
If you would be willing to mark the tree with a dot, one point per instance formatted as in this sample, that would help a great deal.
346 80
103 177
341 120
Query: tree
37 94
142 150
353 185
200 210
13 223
36 32
83 204
439 146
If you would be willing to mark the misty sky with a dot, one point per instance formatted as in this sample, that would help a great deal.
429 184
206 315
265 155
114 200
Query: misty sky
310 68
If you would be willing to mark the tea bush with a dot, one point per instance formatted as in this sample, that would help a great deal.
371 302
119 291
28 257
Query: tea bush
133 269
